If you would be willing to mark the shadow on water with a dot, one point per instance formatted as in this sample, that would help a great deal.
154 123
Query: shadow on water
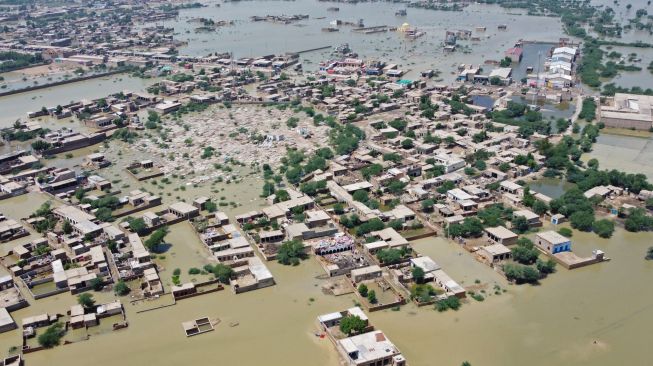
162 248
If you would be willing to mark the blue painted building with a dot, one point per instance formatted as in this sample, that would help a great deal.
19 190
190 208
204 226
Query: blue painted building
552 242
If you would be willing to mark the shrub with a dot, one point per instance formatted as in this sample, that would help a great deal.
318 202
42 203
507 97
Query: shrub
121 288
52 336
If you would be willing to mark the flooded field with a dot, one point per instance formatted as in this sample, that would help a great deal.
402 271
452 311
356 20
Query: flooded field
599 315
552 187
17 105
641 57
591 316
246 38
627 153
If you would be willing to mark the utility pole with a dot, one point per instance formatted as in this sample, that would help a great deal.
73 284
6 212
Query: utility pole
537 83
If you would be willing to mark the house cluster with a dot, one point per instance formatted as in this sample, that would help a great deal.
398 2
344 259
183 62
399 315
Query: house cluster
112 111
133 260
77 317
433 274
346 66
72 34
559 69
501 76
361 347
12 299
10 229
72 259
17 161
225 244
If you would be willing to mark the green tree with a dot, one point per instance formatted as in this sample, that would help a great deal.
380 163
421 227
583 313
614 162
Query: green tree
565 231
451 302
211 206
371 297
427 205
41 145
97 284
582 220
362 289
281 196
352 324
360 196
104 214
268 189
525 251
371 170
52 335
520 273
418 274
603 228
121 288
593 163
222 272
67 228
546 267
394 157
520 224
637 220
390 256
79 193
540 207
291 252
136 225
86 300
156 239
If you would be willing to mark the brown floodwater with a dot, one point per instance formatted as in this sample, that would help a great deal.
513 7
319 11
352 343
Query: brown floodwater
596 315
631 154
590 316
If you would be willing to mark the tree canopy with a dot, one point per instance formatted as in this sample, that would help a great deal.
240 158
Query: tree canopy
352 324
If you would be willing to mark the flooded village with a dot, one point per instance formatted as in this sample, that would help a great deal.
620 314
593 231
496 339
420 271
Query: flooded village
370 183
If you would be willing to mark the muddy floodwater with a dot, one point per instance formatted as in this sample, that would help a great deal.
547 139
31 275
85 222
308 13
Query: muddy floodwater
599 315
17 106
631 154
596 315
248 39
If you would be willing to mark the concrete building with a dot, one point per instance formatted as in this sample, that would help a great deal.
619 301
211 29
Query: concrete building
504 74
7 323
366 273
501 235
333 319
530 216
370 349
183 209
451 163
514 54
628 111
495 253
552 242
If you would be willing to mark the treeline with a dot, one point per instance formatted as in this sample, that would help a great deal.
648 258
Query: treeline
10 60
528 120
294 166
588 111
